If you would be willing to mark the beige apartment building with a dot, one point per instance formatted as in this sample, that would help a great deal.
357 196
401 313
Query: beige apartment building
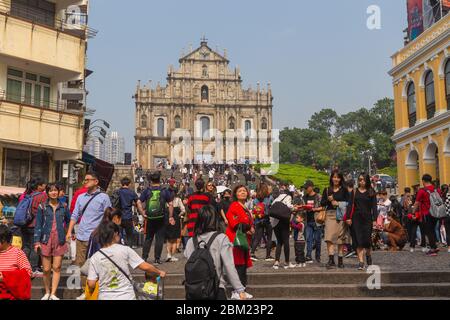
42 96
203 114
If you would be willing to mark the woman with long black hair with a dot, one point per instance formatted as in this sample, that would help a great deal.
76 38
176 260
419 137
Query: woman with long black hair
362 217
221 251
336 233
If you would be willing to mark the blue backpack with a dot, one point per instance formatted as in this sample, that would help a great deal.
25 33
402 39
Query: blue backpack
23 215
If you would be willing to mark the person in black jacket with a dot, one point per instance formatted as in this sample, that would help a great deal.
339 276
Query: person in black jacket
335 230
362 217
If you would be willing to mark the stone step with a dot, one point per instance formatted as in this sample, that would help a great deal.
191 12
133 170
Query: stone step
299 278
308 291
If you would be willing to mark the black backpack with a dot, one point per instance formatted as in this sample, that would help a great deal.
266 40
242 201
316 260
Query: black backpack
202 282
115 199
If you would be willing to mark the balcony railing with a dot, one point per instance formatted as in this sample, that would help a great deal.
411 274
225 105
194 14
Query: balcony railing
58 106
36 17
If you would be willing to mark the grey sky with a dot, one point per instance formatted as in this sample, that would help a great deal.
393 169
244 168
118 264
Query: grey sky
315 53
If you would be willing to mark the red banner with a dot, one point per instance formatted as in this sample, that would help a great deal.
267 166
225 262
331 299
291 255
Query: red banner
446 3
415 18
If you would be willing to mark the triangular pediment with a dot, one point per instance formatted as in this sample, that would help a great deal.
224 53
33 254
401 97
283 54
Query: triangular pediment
204 53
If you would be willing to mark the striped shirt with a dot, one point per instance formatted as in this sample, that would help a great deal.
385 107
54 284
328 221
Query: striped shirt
195 202
13 259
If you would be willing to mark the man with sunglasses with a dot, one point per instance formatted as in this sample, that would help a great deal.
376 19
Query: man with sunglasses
90 207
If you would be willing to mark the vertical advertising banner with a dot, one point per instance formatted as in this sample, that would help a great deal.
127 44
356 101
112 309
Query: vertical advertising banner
415 18
446 3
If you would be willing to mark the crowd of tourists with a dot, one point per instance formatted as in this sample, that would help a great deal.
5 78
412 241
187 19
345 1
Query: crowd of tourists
219 224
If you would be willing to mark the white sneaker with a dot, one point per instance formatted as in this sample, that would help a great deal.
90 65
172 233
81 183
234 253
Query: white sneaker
248 296
46 297
276 266
411 250
235 296
424 249
290 266
174 259
82 297
304 265
53 297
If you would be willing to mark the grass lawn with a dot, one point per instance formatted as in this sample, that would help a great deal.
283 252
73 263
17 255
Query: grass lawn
298 174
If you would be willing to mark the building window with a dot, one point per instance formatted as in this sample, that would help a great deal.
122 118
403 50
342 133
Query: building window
144 121
28 88
38 11
447 83
177 122
231 124
205 71
429 95
205 93
264 124
411 94
205 126
160 126
248 128
20 166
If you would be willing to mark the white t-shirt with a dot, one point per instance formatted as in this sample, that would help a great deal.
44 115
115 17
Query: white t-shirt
113 285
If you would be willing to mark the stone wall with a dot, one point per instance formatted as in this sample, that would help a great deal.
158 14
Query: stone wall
121 171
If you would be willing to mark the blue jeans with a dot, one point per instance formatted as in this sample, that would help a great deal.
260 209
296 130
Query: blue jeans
313 235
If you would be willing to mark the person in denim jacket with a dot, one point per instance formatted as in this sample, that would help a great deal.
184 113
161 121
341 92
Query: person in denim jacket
50 238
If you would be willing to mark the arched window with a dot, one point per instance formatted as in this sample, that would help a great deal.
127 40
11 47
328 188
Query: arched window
144 121
411 94
231 123
264 124
429 95
205 71
205 126
205 93
447 83
177 122
160 126
248 128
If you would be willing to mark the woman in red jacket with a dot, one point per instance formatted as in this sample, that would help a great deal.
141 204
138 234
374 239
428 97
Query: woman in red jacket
239 215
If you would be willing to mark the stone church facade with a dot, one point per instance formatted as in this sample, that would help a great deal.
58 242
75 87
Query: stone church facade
203 114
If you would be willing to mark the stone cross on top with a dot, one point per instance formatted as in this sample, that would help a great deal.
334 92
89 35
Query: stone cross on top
203 40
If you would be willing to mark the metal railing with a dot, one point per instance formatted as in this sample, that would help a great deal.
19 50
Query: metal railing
58 106
37 17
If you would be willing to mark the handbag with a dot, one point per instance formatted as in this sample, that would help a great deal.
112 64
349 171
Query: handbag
321 217
138 288
279 210
240 240
93 295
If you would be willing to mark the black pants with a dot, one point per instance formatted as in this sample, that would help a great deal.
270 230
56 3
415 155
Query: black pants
261 229
282 234
412 233
242 273
429 224
28 247
155 228
300 251
447 230
221 295
128 226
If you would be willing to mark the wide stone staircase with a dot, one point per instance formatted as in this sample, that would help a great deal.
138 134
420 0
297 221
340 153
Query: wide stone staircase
309 285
